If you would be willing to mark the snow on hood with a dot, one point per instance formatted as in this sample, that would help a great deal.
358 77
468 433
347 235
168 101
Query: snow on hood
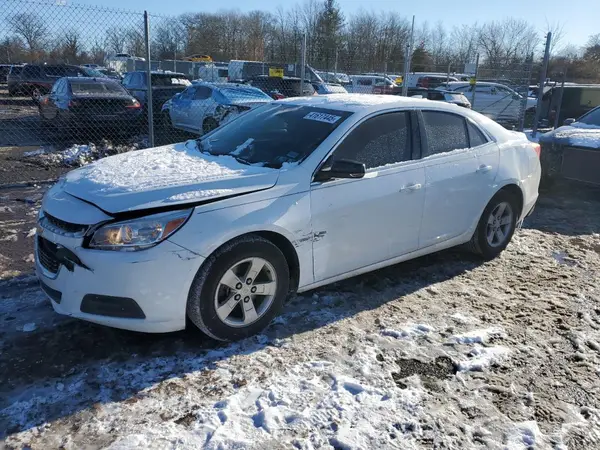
577 135
164 176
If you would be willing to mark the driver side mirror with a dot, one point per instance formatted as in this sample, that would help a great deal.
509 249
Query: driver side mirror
568 121
341 168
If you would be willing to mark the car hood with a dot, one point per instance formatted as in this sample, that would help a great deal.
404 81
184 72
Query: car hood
576 135
163 177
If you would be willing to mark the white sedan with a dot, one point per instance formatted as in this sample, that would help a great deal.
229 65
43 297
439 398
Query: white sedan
290 196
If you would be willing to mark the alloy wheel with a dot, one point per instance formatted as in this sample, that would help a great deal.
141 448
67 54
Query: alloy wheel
499 224
245 292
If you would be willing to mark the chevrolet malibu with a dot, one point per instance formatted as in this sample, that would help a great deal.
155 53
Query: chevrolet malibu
290 196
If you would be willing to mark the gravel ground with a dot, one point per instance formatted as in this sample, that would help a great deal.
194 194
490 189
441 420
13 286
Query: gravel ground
441 352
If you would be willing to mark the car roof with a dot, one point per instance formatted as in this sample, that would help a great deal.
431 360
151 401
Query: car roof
364 102
481 83
92 80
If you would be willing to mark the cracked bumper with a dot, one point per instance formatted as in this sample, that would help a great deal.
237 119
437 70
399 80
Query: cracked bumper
158 279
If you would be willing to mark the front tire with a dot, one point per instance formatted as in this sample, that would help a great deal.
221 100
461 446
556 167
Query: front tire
239 289
496 226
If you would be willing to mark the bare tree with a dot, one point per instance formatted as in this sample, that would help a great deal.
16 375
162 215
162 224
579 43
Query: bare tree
71 46
115 40
558 33
32 29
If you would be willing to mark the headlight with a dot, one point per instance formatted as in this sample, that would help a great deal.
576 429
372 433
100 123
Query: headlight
137 234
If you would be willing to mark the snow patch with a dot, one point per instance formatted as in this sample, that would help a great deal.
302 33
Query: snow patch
410 331
28 327
481 357
196 195
478 336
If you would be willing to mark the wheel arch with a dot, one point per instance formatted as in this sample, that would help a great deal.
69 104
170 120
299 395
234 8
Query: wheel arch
515 190
282 243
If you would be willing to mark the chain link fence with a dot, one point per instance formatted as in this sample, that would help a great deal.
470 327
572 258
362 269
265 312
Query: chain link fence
98 81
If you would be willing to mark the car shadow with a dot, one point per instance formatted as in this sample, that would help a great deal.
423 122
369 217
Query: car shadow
85 357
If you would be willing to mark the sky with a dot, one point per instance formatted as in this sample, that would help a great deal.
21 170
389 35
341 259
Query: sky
578 17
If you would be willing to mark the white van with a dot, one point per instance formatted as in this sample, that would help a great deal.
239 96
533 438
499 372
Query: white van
372 84
213 73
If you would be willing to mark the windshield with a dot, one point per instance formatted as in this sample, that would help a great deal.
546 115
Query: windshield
591 118
97 88
169 80
243 95
273 134
92 72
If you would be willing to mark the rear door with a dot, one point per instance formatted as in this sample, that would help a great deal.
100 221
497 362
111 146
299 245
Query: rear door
360 222
199 106
457 177
181 105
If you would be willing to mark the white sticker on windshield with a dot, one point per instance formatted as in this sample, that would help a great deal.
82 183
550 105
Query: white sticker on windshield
322 117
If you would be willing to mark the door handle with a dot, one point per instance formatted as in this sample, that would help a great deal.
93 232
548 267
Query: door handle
411 187
484 169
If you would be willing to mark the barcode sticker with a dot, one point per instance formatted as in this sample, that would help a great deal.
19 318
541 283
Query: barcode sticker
322 117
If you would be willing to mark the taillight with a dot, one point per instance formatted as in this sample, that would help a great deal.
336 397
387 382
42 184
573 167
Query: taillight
134 105
537 148
278 96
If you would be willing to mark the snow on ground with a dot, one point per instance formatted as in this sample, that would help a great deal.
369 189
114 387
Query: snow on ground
442 352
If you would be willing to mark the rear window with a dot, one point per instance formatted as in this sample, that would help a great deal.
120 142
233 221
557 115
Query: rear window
274 134
241 95
169 80
16 70
97 88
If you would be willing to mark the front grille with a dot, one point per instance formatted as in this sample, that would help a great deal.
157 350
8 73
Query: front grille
47 255
61 227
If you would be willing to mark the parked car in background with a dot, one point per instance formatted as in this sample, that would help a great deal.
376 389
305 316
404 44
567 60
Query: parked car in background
428 80
372 84
202 107
494 100
575 101
164 86
329 88
334 77
443 96
110 73
293 195
12 80
282 87
37 79
80 103
242 71
572 151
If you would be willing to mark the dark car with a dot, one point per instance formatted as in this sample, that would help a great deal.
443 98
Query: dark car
573 150
164 86
37 79
282 87
110 73
329 88
575 101
12 78
77 103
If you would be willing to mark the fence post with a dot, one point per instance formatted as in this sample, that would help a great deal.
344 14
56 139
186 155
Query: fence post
475 84
538 105
448 75
149 81
560 96
523 107
303 64
407 55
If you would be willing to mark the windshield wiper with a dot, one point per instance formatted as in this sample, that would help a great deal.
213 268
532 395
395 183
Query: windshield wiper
242 160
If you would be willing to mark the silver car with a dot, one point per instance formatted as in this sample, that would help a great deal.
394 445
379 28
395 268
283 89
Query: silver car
202 107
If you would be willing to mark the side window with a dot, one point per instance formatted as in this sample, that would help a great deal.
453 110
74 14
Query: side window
476 137
202 93
364 81
188 93
381 140
32 72
127 80
445 132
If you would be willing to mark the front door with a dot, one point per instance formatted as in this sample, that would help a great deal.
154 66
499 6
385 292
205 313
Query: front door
357 223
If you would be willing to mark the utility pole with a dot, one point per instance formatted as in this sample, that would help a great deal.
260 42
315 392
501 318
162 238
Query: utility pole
303 64
475 81
407 57
538 106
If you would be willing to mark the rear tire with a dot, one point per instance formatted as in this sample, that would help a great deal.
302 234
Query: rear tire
228 278
496 226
